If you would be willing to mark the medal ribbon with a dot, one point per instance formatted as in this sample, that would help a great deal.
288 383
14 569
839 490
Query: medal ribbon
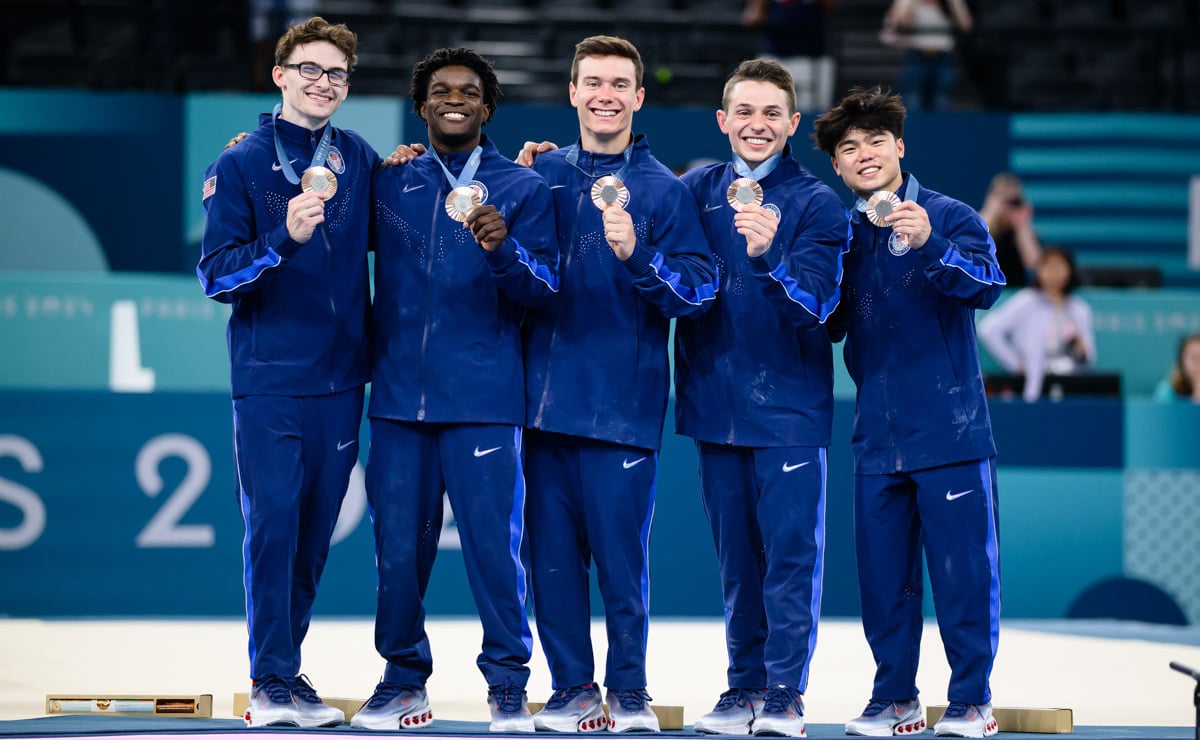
573 160
319 155
468 170
759 172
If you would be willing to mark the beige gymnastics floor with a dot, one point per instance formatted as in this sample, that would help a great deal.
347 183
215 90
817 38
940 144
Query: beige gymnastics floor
1106 681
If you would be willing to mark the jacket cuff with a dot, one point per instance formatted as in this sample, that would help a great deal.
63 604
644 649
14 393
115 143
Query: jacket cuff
285 246
765 263
641 262
934 248
504 255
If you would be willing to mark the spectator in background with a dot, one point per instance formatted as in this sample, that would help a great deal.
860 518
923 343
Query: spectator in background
1183 384
795 33
925 29
1009 217
1043 329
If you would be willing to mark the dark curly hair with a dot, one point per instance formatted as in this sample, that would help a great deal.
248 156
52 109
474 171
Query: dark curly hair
864 109
456 57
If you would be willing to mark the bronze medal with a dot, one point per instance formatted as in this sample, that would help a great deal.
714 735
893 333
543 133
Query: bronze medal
461 201
880 206
319 180
609 191
744 191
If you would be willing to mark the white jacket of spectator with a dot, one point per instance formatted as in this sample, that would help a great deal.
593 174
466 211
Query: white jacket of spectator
1024 332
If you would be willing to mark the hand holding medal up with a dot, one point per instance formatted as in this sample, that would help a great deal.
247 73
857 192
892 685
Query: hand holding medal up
909 221
611 196
306 211
752 221
487 226
464 203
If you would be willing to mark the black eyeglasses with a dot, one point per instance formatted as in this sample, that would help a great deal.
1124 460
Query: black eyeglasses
310 71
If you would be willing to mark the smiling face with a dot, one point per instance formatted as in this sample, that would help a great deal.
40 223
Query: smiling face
605 95
869 160
757 120
454 109
311 103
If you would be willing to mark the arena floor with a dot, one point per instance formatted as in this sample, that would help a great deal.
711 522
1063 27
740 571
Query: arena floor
1114 676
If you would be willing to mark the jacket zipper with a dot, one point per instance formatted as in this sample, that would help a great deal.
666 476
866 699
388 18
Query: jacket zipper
566 263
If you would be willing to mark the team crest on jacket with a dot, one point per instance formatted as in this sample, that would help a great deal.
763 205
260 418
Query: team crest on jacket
335 161
898 245
481 189
773 209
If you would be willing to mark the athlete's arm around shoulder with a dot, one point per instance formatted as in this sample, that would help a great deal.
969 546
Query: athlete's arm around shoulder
237 249
960 255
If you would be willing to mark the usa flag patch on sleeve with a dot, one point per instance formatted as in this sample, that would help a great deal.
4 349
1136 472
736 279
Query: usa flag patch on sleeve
210 187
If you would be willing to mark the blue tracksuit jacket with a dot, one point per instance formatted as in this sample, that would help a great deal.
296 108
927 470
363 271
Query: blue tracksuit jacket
757 369
910 346
448 314
300 311
596 354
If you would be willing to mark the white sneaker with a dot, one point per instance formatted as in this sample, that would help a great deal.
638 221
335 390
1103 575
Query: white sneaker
888 718
394 707
313 711
967 720
629 711
573 709
271 704
734 713
510 709
782 713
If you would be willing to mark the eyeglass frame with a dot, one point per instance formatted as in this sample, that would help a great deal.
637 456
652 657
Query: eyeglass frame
327 73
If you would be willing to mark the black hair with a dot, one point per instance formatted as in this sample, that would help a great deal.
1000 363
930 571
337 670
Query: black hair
456 57
869 110
1064 254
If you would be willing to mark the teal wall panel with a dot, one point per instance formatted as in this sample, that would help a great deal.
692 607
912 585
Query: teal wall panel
1060 531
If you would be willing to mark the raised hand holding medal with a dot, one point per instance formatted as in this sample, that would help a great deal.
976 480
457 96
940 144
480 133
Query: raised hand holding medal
306 211
609 191
745 195
464 196
744 191
460 201
908 220
319 179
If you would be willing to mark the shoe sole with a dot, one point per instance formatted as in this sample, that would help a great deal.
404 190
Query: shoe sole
634 727
406 722
276 723
988 731
770 731
908 728
587 723
327 723
715 728
513 726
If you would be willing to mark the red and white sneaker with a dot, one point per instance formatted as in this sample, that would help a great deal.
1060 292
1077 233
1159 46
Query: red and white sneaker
271 704
967 720
888 718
